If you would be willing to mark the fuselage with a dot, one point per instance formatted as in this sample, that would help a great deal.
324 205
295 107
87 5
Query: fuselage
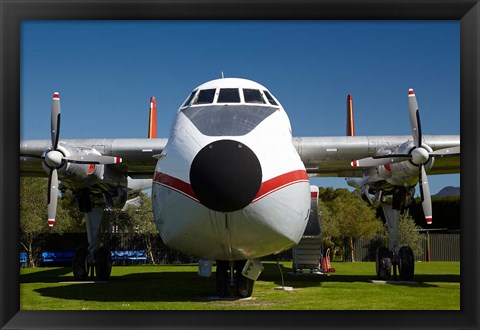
229 184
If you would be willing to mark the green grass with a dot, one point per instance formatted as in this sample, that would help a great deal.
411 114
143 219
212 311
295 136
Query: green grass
178 287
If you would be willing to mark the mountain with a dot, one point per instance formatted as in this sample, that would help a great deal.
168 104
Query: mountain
448 191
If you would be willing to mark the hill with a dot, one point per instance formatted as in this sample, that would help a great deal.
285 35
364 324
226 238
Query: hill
448 191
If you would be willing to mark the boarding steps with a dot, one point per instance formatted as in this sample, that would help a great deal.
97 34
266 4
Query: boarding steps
307 253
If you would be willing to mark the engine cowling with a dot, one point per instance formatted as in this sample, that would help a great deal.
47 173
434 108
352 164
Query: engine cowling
403 173
96 177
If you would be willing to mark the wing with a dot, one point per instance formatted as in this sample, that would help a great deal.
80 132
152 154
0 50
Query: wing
331 156
328 156
137 154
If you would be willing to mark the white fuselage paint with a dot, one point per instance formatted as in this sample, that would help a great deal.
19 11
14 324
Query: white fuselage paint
274 221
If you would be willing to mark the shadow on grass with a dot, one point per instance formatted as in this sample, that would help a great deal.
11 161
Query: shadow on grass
272 273
141 287
47 275
183 285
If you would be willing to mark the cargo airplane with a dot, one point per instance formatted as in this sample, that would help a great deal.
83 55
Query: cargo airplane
231 184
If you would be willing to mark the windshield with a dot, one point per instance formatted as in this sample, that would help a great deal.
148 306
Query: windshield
222 120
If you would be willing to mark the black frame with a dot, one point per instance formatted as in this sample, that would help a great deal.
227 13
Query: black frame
13 11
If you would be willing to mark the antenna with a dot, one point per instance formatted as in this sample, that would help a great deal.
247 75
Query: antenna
223 76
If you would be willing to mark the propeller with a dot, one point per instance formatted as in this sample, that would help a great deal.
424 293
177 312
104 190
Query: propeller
419 156
54 159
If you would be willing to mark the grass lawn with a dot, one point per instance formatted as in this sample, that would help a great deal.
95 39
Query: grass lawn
178 287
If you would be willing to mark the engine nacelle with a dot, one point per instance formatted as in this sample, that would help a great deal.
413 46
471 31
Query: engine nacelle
95 177
83 175
403 173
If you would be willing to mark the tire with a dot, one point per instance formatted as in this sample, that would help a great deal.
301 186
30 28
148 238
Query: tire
79 264
244 288
383 263
103 264
406 263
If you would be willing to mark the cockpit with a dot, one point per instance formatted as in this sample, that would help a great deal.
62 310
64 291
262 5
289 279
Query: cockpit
229 107
229 95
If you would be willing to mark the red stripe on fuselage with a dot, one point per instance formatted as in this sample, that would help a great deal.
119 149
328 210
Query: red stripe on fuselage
175 184
266 188
279 182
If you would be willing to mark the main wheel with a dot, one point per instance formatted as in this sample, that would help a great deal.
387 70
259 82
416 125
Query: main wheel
383 263
103 263
406 263
244 284
79 264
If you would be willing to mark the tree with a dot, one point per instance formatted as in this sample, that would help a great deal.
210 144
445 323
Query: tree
70 219
141 221
408 233
348 217
33 214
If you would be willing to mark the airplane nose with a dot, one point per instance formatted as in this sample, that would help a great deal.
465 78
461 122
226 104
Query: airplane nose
226 175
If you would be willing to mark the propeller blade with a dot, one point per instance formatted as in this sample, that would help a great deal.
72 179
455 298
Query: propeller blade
414 118
379 160
425 195
93 159
52 197
32 156
447 152
55 120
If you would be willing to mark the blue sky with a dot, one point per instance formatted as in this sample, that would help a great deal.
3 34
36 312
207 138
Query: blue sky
106 72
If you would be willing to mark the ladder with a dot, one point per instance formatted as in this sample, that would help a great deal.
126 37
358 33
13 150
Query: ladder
307 253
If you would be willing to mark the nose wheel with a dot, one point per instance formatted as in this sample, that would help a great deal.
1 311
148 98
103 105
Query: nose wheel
229 280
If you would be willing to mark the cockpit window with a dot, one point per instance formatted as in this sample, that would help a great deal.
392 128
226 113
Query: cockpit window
253 96
270 98
187 102
228 95
205 96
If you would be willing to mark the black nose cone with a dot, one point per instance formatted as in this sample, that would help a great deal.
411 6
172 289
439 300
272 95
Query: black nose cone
226 175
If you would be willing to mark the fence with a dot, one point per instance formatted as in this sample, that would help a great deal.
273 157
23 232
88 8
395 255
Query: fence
435 247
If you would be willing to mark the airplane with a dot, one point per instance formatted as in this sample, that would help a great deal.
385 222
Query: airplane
230 184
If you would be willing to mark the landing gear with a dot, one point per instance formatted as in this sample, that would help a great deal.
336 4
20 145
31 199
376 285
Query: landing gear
244 284
83 264
393 256
222 279
229 280
96 259
406 263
